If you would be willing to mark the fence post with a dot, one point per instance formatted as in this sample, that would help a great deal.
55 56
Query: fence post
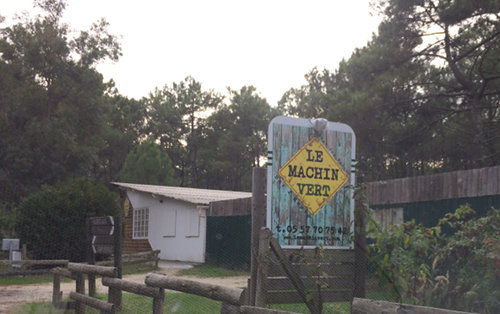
262 267
158 302
359 246
117 252
80 288
56 290
90 259
259 180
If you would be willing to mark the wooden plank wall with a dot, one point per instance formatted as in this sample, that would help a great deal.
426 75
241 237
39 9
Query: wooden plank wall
334 270
130 245
237 207
448 185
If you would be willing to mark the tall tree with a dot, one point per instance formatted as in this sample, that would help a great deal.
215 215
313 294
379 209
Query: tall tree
422 95
176 116
125 127
235 140
149 164
369 95
51 98
462 40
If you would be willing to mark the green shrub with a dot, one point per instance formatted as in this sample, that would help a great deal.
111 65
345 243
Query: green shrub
402 257
456 271
8 215
467 265
52 222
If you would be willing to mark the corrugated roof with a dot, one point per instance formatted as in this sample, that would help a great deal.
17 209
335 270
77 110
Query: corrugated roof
190 195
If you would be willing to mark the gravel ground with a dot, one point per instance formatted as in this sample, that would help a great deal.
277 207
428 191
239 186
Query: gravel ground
13 295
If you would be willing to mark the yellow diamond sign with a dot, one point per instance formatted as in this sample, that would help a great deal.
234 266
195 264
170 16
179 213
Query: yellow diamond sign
313 174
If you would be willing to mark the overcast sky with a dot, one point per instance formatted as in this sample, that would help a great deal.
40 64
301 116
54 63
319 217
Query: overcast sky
270 44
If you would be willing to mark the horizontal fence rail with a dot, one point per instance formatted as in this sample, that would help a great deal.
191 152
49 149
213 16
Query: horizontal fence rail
92 302
19 267
29 262
77 271
234 296
92 269
158 294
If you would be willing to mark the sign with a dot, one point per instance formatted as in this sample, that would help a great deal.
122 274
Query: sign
102 230
10 244
104 236
102 221
313 175
310 178
103 244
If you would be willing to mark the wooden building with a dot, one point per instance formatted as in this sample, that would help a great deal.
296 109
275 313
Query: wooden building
174 219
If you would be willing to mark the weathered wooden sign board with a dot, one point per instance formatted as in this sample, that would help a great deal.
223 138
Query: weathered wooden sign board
103 236
310 178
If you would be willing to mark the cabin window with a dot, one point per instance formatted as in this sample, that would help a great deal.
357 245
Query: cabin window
141 223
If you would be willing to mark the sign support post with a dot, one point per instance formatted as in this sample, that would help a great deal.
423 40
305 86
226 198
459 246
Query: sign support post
90 259
104 236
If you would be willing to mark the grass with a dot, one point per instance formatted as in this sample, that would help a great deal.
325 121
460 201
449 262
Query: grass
332 307
25 280
179 303
138 268
208 270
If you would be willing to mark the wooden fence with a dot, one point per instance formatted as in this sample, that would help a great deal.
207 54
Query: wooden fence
233 299
115 286
127 259
426 199
448 185
22 264
302 276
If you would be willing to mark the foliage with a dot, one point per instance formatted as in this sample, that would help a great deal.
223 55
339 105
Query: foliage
52 222
211 144
462 42
8 214
149 164
52 104
422 95
402 256
124 128
235 138
467 266
424 266
176 118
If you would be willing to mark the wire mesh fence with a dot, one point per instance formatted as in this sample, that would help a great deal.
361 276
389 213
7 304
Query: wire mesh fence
409 264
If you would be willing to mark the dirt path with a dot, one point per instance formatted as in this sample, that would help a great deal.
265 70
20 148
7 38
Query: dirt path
13 295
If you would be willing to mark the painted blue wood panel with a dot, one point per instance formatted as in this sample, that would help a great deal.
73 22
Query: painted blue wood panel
289 220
